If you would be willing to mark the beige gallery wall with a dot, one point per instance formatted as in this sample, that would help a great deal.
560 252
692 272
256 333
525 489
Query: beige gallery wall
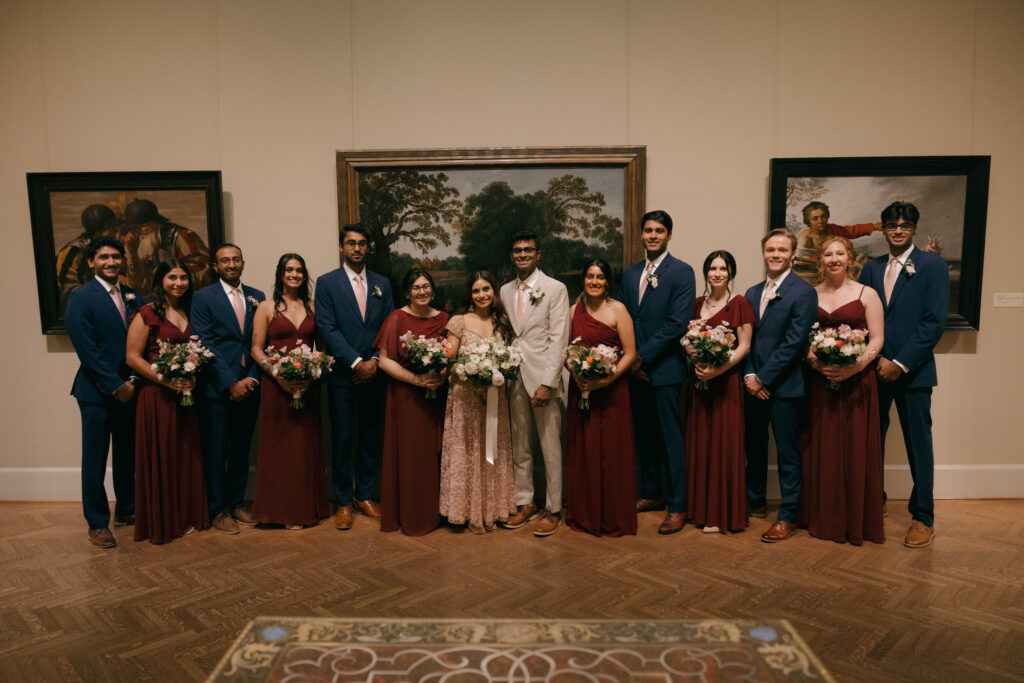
266 91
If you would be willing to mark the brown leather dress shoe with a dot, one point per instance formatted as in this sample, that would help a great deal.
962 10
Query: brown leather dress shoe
124 520
674 523
367 507
521 517
919 535
102 538
778 532
548 524
650 504
225 524
760 512
243 517
343 518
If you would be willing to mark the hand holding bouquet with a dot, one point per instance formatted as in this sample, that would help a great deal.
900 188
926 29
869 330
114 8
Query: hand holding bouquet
838 346
488 363
425 356
179 364
590 362
301 365
708 345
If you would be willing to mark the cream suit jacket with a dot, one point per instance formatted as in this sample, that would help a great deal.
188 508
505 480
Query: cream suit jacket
542 334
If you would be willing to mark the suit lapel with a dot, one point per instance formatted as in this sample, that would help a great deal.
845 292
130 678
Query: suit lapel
508 298
529 305
102 292
658 272
757 306
227 310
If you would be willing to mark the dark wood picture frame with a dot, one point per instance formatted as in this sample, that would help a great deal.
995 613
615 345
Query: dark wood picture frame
43 187
966 270
630 161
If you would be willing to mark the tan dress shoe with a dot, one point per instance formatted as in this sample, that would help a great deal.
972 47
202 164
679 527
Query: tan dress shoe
343 518
102 538
548 524
778 532
225 524
650 504
919 535
673 524
367 507
243 517
521 517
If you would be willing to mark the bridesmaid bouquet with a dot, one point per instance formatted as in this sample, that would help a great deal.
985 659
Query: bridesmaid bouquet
425 355
297 365
488 363
180 361
841 345
711 345
590 362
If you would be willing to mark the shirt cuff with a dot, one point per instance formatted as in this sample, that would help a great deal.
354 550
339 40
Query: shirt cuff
356 362
902 366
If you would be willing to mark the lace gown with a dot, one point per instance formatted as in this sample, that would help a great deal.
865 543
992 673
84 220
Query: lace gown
472 489
841 494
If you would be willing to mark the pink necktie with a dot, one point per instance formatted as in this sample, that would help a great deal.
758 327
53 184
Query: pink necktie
115 293
360 291
236 303
766 296
521 302
891 273
647 276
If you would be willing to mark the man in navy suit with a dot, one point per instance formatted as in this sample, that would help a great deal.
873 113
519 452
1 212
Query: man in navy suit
659 295
97 320
914 286
351 305
786 307
222 316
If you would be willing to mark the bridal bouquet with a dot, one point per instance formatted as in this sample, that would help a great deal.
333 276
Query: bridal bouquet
180 361
488 363
841 345
425 355
297 365
711 345
590 362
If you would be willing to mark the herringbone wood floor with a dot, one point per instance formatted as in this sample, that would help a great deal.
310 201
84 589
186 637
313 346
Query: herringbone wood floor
69 611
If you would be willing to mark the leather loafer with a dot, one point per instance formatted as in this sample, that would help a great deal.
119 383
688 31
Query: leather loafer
343 518
760 512
650 504
779 531
919 535
102 538
225 524
521 517
548 524
674 522
367 507
124 520
243 517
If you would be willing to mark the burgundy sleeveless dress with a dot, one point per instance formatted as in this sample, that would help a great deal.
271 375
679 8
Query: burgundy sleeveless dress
716 477
291 487
599 477
170 488
841 494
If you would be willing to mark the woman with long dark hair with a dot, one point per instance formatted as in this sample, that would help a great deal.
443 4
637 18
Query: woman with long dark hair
476 490
291 488
170 490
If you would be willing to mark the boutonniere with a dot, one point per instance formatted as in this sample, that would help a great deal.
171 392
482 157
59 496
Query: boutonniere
377 292
775 295
535 296
252 301
908 268
652 280
129 297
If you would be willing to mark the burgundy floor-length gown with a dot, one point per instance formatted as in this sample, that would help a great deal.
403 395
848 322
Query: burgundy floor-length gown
715 456
170 489
841 493
413 423
291 487
599 476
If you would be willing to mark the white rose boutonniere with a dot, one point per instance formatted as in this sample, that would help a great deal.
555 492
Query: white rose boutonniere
908 268
775 295
652 280
252 301
535 296
129 297
377 292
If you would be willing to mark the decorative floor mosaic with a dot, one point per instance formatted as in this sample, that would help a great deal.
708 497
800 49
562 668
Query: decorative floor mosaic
517 651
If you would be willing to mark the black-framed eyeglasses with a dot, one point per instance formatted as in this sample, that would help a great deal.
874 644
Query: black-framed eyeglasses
890 227
524 250
353 243
420 288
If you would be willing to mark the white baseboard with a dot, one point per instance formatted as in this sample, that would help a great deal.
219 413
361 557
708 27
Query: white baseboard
53 484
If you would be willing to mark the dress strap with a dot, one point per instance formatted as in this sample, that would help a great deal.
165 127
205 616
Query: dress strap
862 288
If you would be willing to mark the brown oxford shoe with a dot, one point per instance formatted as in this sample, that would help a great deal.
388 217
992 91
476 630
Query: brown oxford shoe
343 518
124 520
367 507
243 517
522 516
760 512
919 535
650 504
548 524
674 523
225 524
778 532
102 538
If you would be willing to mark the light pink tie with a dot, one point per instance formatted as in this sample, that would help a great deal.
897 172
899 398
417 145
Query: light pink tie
360 291
891 273
236 303
521 302
647 276
115 294
766 296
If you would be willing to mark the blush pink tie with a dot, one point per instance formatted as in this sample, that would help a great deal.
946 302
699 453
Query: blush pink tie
236 303
766 296
646 276
891 273
360 292
115 294
521 302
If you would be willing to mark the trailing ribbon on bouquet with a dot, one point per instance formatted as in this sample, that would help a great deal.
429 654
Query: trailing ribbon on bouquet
491 438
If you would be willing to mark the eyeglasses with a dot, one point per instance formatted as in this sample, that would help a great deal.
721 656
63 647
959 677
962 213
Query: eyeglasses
891 227
524 250
353 243
420 288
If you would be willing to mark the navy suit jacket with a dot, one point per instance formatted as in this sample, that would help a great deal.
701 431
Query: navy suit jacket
916 316
661 317
344 331
98 335
780 337
214 322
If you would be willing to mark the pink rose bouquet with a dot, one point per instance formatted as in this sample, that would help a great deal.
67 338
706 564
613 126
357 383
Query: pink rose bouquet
706 344
180 361
425 355
298 365
591 362
841 345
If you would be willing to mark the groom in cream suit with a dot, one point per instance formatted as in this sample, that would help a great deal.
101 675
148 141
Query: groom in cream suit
538 307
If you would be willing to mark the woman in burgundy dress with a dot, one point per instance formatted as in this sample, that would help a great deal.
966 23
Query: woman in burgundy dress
841 493
715 456
410 478
291 488
600 489
170 491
